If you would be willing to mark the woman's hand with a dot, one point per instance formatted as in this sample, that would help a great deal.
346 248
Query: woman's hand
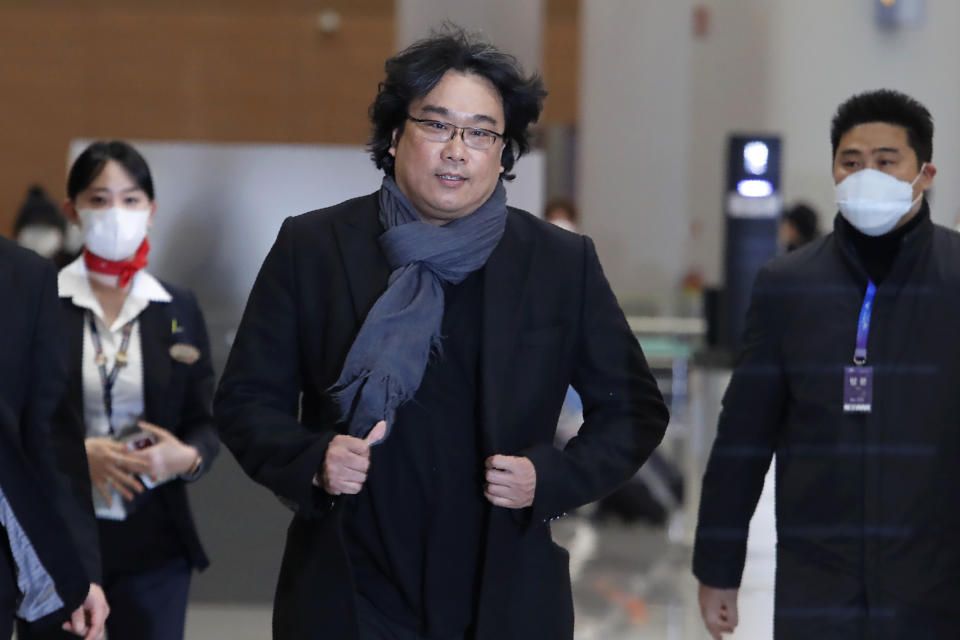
112 466
168 456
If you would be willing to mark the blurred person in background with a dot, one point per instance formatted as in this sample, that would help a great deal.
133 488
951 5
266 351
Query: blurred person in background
442 529
563 213
141 378
40 225
798 226
44 574
848 374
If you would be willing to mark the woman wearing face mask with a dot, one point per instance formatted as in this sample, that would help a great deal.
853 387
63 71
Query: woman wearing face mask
142 380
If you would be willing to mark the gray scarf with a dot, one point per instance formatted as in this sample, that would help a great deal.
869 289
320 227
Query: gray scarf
385 364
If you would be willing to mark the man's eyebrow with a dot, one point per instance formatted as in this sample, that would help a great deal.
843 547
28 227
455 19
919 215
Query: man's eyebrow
440 111
850 152
482 118
886 150
478 118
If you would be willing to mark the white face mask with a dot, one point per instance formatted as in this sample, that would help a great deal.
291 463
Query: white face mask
43 239
873 201
114 234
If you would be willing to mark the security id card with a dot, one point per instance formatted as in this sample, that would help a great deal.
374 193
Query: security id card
857 389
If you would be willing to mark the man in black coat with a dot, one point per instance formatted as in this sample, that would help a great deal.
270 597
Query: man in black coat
44 577
433 319
848 373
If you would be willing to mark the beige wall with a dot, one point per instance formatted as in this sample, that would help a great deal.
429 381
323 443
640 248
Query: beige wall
635 103
201 70
653 104
729 86
777 66
826 51
508 24
180 71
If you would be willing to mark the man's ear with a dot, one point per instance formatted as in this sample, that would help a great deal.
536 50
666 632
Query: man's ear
926 176
393 143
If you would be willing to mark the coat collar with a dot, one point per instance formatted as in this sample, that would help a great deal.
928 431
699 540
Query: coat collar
504 291
911 246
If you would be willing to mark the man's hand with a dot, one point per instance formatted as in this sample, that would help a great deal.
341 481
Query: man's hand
719 610
511 481
89 618
347 461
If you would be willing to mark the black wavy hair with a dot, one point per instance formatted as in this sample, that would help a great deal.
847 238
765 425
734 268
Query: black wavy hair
415 71
90 163
890 107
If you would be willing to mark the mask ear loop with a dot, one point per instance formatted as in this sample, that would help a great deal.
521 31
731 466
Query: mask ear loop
922 167
919 197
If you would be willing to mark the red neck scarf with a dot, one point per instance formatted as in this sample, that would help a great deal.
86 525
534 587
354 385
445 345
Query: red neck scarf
124 269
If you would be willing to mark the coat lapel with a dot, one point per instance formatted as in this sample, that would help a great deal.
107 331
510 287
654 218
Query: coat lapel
504 292
155 341
363 261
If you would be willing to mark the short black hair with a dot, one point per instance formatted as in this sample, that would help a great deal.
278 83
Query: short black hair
890 107
90 163
415 71
804 219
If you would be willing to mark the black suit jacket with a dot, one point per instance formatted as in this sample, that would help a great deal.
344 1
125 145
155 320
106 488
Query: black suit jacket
549 319
32 378
177 395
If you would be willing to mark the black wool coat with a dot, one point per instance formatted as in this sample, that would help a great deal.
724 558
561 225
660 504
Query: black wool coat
549 319
32 382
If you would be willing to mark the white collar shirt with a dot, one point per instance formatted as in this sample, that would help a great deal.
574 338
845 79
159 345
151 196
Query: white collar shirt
127 394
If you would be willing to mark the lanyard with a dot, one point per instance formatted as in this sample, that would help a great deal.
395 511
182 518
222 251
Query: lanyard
108 379
863 326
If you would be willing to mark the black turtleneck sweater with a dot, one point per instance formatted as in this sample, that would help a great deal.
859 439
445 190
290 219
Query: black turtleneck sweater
415 533
878 253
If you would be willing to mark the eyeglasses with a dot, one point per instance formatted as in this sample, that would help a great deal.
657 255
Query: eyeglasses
473 137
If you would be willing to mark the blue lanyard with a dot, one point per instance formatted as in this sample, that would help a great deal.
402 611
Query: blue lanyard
108 379
863 326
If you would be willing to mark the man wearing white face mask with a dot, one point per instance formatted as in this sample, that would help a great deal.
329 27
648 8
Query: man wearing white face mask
848 372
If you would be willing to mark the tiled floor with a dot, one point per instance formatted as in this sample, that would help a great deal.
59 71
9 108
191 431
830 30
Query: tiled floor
636 585
629 582
228 622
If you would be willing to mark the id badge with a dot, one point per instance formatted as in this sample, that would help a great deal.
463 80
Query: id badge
857 389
